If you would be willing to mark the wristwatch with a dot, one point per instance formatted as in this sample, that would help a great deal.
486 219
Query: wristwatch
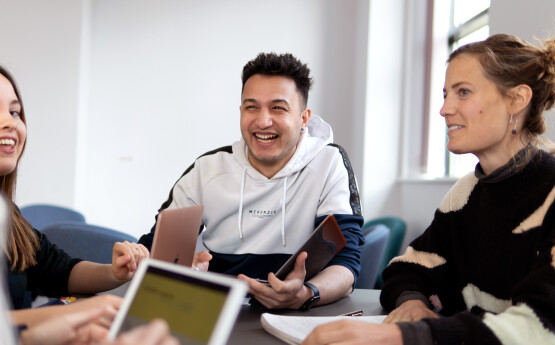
315 297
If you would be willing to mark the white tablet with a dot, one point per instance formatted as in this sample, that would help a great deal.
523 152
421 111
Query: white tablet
199 307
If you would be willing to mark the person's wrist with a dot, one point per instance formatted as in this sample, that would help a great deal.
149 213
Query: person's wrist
414 303
302 296
118 276
314 296
396 334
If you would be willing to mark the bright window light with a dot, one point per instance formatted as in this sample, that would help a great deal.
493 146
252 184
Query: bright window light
464 10
469 23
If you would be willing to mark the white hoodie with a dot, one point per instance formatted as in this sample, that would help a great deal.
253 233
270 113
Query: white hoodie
248 213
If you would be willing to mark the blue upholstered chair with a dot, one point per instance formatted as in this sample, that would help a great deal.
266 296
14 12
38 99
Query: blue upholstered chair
371 255
88 242
42 215
397 228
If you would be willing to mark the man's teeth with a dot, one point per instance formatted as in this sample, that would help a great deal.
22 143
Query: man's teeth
266 138
9 142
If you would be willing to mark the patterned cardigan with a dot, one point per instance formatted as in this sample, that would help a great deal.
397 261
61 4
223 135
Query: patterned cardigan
487 261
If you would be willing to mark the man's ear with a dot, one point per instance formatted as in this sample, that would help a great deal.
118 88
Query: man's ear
520 97
305 116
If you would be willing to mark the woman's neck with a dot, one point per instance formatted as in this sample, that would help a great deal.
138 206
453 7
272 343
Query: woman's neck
493 160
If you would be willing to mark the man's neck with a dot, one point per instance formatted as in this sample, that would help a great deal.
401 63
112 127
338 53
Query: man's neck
267 171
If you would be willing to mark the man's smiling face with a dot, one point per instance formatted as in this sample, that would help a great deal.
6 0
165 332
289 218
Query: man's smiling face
272 115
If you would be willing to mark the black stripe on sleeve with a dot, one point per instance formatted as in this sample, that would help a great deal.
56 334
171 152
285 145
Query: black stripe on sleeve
354 199
167 203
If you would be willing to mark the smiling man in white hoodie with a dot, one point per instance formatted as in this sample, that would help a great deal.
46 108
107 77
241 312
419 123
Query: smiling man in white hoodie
264 195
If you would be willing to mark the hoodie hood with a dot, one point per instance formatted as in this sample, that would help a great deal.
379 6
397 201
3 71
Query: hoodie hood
318 134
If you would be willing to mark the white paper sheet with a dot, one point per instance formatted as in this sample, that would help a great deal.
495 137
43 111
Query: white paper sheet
293 329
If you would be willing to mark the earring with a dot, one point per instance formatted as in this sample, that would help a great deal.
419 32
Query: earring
514 127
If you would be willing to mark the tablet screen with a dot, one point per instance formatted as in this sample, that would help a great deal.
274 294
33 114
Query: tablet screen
189 305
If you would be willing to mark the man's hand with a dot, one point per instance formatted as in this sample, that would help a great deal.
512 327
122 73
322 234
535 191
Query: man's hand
353 333
126 257
201 260
288 293
411 310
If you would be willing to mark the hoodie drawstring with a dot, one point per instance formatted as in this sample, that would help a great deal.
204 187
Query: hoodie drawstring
241 202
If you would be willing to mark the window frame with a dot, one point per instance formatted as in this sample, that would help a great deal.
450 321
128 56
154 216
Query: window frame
438 53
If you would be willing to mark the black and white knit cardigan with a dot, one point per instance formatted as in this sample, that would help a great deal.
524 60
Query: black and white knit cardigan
487 261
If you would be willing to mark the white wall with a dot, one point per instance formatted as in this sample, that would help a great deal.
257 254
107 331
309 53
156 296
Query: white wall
122 95
146 87
165 88
529 20
526 19
384 103
40 46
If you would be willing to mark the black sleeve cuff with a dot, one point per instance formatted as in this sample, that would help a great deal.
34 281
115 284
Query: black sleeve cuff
416 333
411 295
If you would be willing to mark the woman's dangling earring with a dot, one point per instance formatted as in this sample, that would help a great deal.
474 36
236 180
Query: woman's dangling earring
514 127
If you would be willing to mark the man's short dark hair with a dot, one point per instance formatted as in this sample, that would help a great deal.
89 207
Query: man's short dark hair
284 65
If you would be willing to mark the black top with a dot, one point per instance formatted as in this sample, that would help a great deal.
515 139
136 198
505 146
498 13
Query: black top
49 277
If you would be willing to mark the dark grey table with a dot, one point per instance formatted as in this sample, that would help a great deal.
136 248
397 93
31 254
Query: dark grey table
248 329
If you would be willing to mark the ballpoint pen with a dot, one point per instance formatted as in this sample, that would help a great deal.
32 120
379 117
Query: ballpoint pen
353 313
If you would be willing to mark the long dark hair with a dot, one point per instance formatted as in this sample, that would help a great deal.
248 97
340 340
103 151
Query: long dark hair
22 243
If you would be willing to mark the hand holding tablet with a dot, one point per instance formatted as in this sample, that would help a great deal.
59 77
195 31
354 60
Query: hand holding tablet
199 307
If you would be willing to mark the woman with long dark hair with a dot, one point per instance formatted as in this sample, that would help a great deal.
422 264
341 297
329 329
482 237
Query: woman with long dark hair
34 263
